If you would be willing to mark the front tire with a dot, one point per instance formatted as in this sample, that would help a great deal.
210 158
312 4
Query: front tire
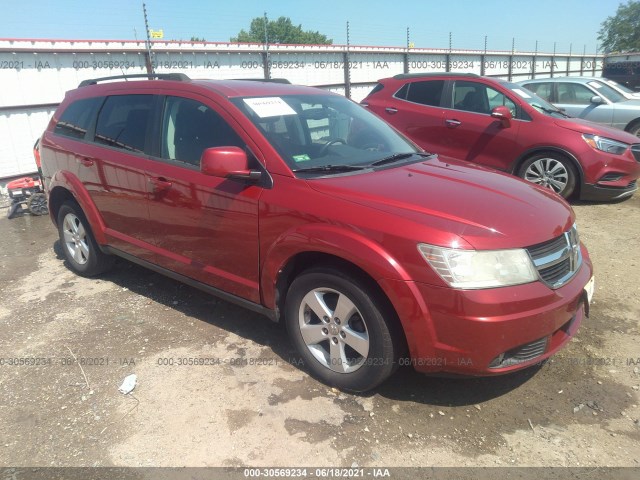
634 128
550 170
78 243
340 330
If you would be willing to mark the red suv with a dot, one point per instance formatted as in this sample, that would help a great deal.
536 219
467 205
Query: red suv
304 206
504 126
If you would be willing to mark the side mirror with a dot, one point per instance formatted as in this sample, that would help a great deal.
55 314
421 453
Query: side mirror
597 100
503 114
228 162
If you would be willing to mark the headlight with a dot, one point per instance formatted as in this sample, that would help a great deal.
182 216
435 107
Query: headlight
473 269
605 144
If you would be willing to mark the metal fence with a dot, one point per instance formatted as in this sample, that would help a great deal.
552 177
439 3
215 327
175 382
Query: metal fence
35 74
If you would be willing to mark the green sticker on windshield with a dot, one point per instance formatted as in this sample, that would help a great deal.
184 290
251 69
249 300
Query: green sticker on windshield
301 158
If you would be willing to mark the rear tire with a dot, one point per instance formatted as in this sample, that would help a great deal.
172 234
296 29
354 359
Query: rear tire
550 170
78 243
338 327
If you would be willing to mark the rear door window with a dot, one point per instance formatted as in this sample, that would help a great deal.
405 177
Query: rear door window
425 93
543 90
123 122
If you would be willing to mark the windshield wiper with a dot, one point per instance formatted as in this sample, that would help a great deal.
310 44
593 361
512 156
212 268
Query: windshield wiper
330 168
397 157
549 110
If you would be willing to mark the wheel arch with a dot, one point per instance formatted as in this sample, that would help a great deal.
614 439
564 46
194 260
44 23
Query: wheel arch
515 167
57 196
633 123
307 260
329 245
64 187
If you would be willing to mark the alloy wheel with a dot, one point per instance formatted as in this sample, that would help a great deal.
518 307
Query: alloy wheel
75 238
549 173
334 330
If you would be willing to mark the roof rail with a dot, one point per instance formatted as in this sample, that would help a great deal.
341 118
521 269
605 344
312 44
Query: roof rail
402 76
270 80
178 77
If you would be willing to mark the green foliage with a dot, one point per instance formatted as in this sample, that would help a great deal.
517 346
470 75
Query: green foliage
621 33
198 39
280 31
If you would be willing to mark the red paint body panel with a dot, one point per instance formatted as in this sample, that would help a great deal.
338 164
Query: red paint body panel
481 139
237 237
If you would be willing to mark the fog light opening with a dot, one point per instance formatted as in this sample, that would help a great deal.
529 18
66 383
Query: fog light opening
496 362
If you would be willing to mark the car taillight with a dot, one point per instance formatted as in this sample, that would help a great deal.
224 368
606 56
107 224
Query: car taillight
36 156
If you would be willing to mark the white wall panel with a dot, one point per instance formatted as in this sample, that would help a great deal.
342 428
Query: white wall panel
35 74
18 132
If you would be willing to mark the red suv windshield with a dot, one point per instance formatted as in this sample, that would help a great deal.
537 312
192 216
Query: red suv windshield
319 130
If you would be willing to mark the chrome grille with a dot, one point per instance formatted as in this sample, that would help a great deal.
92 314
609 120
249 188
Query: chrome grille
559 259
520 354
546 248
635 149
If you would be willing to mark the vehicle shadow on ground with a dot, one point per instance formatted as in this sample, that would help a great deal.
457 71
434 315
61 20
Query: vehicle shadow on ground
405 385
594 203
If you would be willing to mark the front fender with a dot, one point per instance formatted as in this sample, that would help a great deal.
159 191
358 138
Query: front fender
366 254
331 240
69 182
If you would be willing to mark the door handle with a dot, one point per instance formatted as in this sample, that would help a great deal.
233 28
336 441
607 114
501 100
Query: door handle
160 184
86 161
452 123
391 110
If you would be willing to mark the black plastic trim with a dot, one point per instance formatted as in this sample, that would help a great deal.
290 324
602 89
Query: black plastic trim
402 76
597 193
177 77
228 297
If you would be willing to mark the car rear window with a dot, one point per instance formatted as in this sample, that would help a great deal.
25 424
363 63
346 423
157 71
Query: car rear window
76 118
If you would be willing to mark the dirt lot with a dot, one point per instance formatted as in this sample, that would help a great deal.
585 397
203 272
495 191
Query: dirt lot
579 410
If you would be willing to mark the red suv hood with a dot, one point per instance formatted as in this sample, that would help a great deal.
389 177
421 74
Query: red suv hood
585 126
485 208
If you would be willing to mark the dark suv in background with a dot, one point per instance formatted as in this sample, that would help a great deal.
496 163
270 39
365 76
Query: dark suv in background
502 125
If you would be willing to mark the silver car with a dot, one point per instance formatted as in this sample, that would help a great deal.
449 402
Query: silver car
589 98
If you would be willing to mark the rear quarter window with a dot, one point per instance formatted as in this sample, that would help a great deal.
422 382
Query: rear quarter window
376 89
77 117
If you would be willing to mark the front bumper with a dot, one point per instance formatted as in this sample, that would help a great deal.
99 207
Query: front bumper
602 193
490 332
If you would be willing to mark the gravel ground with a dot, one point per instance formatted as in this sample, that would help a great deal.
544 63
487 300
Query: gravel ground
252 405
